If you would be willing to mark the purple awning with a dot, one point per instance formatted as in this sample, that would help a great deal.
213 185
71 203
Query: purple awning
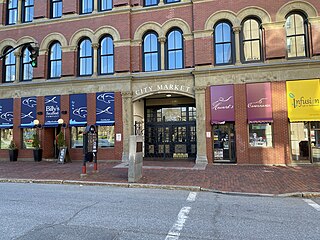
222 104
259 102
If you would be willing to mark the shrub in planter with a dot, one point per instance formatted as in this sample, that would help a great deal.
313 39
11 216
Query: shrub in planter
37 151
13 151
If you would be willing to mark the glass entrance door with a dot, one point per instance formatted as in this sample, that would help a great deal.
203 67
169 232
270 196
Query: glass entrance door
224 146
170 133
315 141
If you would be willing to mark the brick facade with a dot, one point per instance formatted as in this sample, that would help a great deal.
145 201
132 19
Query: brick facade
126 24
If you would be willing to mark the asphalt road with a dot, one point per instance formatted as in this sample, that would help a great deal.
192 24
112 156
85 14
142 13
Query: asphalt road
70 212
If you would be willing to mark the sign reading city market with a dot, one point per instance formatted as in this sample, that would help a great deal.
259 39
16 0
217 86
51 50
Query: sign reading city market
163 87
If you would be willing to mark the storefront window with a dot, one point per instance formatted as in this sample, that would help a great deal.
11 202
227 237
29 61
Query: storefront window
27 135
105 136
77 137
5 138
260 135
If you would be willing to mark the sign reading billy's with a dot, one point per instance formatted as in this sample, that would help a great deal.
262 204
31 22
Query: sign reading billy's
6 113
52 111
303 99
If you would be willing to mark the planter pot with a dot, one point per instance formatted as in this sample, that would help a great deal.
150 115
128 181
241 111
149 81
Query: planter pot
37 155
13 154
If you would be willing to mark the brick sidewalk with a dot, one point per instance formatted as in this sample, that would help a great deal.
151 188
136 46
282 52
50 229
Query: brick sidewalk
225 178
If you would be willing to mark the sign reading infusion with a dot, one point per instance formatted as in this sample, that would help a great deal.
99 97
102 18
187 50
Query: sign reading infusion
163 87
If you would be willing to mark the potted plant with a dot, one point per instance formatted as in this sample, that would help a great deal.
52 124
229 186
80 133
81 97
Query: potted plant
13 151
37 151
61 142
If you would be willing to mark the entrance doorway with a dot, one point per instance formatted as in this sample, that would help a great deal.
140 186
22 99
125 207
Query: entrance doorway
224 146
170 131
305 142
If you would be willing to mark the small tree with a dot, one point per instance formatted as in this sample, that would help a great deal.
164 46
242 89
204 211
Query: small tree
61 142
36 141
12 145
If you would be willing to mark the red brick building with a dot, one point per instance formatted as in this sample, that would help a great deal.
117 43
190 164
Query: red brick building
209 81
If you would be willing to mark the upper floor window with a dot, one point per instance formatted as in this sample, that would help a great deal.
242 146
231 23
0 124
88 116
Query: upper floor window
85 53
223 44
26 68
55 60
55 8
12 12
151 3
9 66
105 5
151 55
174 49
171 1
106 56
86 6
251 41
27 10
296 30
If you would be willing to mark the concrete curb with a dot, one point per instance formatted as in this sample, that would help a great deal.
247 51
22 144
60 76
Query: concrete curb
156 186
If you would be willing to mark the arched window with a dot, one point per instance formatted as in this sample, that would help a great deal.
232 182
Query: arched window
27 10
9 66
297 35
85 58
151 55
55 8
175 49
55 60
86 6
26 68
251 41
12 12
223 43
106 56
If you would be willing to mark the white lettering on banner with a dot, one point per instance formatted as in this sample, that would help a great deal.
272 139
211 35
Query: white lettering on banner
222 103
259 104
162 87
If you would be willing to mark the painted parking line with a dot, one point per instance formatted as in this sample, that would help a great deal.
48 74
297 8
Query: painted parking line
312 204
175 231
192 197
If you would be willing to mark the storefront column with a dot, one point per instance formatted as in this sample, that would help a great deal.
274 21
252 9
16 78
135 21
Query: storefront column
162 41
201 126
20 6
236 31
127 114
95 47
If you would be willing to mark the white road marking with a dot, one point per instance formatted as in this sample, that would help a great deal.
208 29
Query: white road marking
312 204
192 197
174 232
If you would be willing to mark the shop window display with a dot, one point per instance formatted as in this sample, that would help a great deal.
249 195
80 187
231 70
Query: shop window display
5 138
77 137
27 134
260 135
105 136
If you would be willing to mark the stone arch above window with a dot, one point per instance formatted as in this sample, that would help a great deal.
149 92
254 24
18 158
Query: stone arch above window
176 23
49 39
304 6
7 43
254 11
107 30
146 27
24 40
216 17
79 35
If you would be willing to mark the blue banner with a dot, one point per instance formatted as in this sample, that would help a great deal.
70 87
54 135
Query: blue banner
105 108
52 110
28 111
6 113
78 110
